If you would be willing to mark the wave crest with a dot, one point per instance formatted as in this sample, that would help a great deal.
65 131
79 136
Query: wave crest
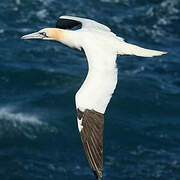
16 124
8 114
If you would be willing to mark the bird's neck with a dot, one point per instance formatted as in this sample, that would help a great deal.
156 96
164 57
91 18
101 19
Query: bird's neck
97 89
70 38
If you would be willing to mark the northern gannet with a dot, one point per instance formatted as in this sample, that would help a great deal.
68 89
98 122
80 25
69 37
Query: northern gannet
101 47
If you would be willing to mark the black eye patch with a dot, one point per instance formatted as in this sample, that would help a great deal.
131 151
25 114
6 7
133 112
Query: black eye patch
43 33
67 23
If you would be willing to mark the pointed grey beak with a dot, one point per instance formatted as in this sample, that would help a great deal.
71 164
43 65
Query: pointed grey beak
35 35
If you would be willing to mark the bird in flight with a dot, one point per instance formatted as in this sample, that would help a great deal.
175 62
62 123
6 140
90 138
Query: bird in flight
101 47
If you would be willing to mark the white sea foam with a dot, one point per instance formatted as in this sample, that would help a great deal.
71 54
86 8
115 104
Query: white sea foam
42 14
1 31
18 2
7 113
13 123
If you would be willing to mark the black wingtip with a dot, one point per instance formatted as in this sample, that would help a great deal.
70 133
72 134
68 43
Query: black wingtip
67 23
98 174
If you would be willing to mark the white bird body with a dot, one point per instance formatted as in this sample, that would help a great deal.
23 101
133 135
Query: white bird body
101 47
102 75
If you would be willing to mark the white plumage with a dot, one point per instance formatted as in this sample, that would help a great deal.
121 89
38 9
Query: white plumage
101 47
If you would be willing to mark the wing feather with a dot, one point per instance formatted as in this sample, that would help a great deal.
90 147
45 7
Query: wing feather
94 96
66 23
92 138
87 23
125 48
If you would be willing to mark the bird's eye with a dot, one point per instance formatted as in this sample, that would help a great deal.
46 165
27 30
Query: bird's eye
43 33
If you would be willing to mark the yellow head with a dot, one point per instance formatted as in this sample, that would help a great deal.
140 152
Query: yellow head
53 34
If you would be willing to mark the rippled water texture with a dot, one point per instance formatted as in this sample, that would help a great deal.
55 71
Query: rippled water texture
39 139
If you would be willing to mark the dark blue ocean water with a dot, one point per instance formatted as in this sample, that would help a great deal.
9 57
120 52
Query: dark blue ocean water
39 139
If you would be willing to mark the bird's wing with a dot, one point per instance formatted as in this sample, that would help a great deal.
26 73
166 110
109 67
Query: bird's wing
91 133
68 22
125 48
92 100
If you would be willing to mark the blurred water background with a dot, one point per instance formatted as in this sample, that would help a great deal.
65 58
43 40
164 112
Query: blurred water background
39 139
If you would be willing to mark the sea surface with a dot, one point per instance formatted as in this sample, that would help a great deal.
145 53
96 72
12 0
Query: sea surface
39 139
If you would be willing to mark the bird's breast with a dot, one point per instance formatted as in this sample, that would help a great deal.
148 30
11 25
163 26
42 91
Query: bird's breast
97 89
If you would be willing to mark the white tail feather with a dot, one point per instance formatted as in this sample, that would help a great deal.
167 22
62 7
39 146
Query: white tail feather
130 49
